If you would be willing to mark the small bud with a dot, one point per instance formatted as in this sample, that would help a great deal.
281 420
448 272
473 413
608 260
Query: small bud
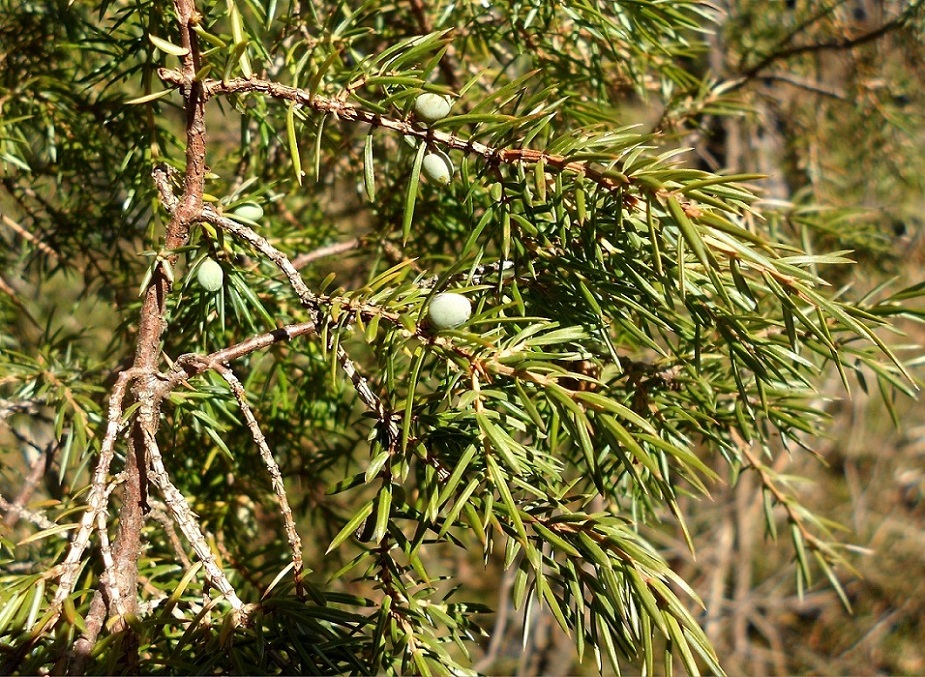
431 107
210 275
449 310
438 168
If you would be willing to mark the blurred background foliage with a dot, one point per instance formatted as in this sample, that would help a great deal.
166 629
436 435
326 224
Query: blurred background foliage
824 98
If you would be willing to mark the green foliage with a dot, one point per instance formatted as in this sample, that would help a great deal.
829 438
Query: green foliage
638 322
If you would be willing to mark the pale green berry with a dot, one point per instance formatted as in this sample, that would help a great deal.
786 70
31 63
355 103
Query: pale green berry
449 310
251 211
438 168
431 107
210 275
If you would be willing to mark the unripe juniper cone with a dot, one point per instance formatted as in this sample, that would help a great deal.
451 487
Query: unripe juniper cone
430 107
449 310
437 168
250 211
210 275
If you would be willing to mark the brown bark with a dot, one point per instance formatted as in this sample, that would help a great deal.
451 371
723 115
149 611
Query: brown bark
117 596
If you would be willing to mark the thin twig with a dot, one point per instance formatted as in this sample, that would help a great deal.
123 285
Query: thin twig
768 483
159 515
29 237
161 175
80 651
189 525
814 87
109 566
609 179
20 512
99 492
9 407
839 44
276 477
190 364
395 255
24 233
31 481
302 260
23 307
108 596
